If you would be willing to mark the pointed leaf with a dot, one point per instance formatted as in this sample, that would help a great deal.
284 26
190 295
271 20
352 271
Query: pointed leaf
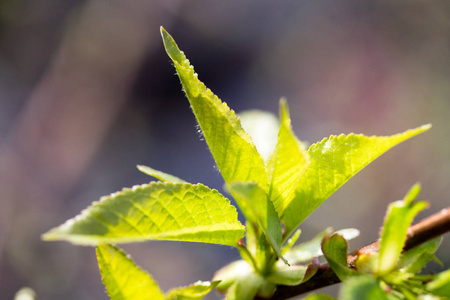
159 175
195 291
288 163
399 216
333 162
235 154
155 211
334 249
257 208
415 259
123 279
262 126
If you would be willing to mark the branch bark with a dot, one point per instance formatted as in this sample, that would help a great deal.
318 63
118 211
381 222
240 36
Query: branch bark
425 230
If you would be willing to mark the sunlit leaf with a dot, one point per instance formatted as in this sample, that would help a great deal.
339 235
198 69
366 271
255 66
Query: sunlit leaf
257 208
122 278
399 216
155 211
262 126
287 164
159 175
334 249
235 154
195 291
333 162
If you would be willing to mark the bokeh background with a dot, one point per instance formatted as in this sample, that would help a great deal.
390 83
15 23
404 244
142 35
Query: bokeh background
87 93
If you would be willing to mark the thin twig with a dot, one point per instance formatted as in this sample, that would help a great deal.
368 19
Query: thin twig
425 230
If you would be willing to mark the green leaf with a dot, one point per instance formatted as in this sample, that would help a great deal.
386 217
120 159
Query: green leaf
399 216
262 127
415 259
248 286
231 273
195 291
319 297
362 287
155 211
334 249
307 250
235 154
288 275
122 278
159 175
333 162
288 163
441 284
257 208
292 275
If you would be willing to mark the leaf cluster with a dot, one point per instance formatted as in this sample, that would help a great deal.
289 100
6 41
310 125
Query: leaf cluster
276 184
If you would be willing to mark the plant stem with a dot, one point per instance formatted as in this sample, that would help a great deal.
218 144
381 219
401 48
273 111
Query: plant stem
427 229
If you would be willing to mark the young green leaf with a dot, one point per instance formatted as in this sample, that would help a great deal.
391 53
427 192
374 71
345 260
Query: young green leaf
441 284
362 287
195 291
248 286
287 164
235 154
159 175
288 275
334 249
292 275
155 211
257 208
399 216
123 279
306 251
333 162
319 297
415 259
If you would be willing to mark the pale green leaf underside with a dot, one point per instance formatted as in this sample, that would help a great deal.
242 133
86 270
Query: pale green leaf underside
333 162
235 154
262 126
287 275
123 279
288 163
257 208
159 175
155 211
195 291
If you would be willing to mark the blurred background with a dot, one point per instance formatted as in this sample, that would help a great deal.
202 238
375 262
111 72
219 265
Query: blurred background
87 93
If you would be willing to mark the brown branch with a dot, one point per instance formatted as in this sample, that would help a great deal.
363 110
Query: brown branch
425 230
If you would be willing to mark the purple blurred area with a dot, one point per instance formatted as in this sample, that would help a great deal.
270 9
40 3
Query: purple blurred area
87 93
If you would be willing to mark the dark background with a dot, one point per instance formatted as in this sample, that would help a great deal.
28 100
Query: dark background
87 92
